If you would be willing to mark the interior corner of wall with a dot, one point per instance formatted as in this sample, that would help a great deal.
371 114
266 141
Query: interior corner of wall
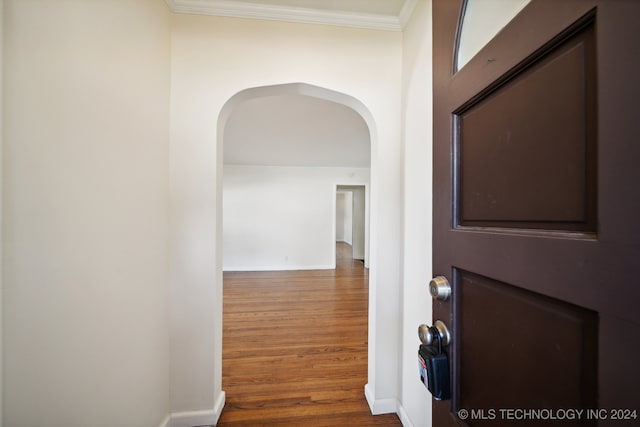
379 406
208 417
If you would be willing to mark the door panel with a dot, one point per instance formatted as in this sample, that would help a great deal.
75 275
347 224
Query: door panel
538 129
500 326
536 200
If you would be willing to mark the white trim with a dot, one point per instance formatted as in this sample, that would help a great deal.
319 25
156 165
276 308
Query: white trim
380 406
404 417
293 14
166 422
367 215
207 417
282 267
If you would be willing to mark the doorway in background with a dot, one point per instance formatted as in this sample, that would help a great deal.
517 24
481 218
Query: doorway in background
352 220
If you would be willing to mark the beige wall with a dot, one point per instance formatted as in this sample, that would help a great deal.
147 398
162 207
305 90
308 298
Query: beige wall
212 60
417 108
86 113
112 184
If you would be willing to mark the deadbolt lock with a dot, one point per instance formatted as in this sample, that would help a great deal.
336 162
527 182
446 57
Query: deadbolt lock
439 288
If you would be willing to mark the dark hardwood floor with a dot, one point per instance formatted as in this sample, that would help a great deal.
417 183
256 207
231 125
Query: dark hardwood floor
295 348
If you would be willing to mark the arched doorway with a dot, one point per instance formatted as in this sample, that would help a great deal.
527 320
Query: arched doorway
278 90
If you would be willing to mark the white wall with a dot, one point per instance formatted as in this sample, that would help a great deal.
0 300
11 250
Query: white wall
214 59
340 217
282 218
85 236
344 217
417 90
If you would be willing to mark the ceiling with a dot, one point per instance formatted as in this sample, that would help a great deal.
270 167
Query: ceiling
296 130
388 15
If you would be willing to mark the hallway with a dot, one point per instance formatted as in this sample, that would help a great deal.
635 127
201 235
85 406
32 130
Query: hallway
295 347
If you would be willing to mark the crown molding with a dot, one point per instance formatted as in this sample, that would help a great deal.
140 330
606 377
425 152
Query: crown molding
294 14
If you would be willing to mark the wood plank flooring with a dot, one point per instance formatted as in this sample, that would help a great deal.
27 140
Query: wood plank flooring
295 348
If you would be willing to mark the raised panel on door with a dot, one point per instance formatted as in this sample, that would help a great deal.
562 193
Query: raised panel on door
521 350
527 144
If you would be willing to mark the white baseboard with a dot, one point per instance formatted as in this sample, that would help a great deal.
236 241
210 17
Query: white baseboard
282 268
166 422
219 406
208 417
380 406
404 417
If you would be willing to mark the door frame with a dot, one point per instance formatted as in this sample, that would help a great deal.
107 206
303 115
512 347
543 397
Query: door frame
365 186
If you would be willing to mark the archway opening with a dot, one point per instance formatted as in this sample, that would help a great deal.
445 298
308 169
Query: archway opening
266 168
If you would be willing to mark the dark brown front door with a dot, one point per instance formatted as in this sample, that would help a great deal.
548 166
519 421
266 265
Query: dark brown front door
537 216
